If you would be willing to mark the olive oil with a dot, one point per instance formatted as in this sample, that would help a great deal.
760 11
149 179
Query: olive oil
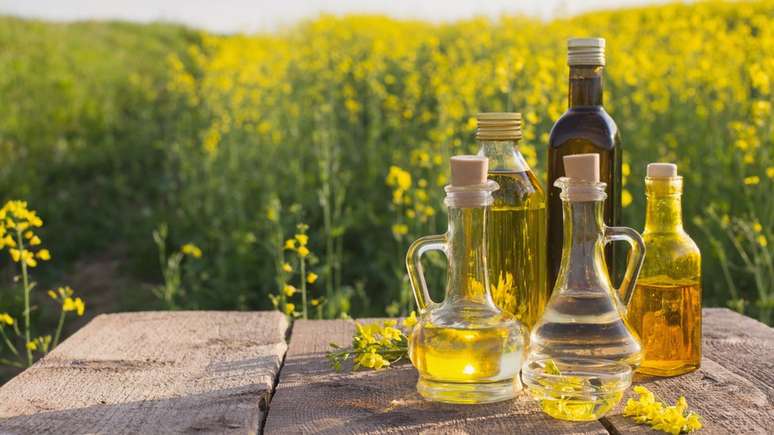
516 235
666 307
517 248
667 315
585 128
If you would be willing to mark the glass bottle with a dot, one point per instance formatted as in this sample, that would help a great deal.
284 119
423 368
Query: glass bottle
666 309
585 316
516 241
585 128
465 349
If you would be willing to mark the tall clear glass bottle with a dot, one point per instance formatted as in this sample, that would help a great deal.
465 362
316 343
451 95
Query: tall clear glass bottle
585 128
517 228
585 317
666 309
465 349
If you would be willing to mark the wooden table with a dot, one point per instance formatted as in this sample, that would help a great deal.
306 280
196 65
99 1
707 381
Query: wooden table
232 372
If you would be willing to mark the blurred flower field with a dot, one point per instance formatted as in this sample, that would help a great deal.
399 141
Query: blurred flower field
338 130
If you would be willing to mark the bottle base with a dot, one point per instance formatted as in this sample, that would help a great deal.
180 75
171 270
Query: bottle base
667 368
468 393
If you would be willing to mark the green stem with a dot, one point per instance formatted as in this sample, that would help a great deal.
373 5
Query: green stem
58 329
8 342
26 283
303 287
8 362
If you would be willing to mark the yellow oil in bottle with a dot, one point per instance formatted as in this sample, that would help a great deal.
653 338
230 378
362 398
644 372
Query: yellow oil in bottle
516 251
666 307
667 315
465 355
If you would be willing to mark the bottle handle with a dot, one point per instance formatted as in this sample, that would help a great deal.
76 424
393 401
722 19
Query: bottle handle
634 261
416 272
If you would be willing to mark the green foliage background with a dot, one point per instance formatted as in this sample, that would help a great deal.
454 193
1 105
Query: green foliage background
110 129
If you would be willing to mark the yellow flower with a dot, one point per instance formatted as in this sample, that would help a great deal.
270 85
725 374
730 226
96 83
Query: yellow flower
626 198
302 239
32 345
289 309
757 227
303 251
271 214
315 302
192 250
770 172
410 321
371 360
626 170
287 267
753 180
290 244
29 235
43 254
6 318
80 307
15 254
311 277
52 294
8 241
289 290
34 241
68 304
399 230
762 240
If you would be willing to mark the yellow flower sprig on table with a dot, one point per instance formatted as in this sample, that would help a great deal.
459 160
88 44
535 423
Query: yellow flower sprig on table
674 419
374 346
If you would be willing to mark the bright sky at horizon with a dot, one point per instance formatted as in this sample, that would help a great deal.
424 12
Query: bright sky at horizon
229 16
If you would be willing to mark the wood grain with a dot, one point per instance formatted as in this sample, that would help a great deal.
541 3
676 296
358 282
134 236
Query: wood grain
312 398
152 372
742 345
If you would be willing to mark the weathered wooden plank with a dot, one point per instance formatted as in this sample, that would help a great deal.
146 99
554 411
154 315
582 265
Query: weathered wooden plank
742 345
311 398
152 372
727 402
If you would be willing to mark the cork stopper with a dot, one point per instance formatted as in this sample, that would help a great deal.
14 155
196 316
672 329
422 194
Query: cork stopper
582 167
468 170
586 51
498 126
662 170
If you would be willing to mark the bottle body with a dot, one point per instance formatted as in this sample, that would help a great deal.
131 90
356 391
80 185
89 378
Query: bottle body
585 128
465 349
516 234
666 308
585 316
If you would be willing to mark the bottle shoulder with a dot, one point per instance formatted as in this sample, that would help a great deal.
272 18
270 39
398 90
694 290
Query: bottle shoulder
591 124
675 255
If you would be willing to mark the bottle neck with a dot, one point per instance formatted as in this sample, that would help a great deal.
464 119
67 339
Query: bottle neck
586 85
663 213
583 257
467 273
504 155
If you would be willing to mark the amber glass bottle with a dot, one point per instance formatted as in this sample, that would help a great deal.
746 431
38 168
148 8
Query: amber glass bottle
666 307
584 128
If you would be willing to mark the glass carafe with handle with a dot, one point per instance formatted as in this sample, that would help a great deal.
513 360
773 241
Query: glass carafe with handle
585 316
465 348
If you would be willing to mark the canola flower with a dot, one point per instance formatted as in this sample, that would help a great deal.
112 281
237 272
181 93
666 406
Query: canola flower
18 226
403 95
374 345
298 246
674 419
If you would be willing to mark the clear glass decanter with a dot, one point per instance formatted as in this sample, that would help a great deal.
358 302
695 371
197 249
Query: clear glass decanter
465 348
585 316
